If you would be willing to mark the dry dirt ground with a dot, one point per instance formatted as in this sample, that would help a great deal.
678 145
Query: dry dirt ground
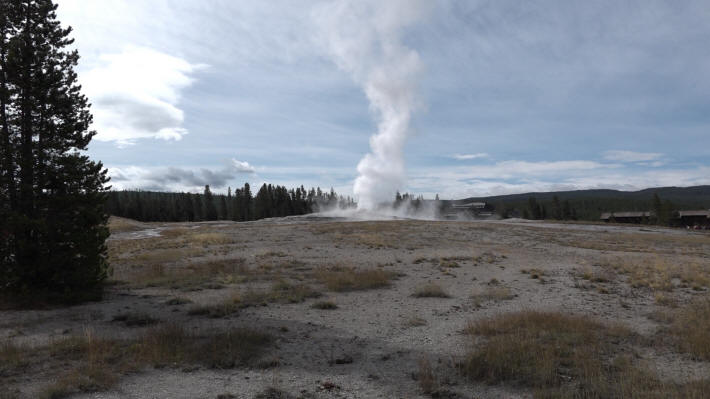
367 309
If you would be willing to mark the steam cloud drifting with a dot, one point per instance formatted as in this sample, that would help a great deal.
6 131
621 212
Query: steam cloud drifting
364 39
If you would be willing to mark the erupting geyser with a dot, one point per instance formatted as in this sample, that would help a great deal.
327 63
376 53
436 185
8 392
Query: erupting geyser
364 39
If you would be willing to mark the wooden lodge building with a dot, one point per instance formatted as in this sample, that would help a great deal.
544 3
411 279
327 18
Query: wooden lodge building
691 219
468 210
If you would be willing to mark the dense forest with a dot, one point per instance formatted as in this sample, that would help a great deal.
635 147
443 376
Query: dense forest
590 204
240 205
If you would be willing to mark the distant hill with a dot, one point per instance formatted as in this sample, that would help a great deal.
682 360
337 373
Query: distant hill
589 204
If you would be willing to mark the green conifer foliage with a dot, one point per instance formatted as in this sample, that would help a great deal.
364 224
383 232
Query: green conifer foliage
52 197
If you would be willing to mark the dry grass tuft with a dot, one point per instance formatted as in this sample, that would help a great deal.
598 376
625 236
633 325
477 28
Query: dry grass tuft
430 290
665 299
349 279
532 346
95 364
660 274
534 273
121 225
134 319
195 276
178 301
12 357
493 293
415 321
426 377
691 327
324 305
207 239
281 292
215 311
98 362
563 356
171 344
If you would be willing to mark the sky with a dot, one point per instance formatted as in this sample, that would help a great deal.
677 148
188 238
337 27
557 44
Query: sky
508 96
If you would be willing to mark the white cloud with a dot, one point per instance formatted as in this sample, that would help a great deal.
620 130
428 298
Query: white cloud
516 169
462 182
135 94
242 166
631 156
462 157
177 179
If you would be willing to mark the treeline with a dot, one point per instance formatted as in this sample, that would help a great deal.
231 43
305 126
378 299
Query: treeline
590 209
239 205
538 210
590 204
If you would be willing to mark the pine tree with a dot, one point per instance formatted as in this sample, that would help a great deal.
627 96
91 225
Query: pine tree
210 209
53 222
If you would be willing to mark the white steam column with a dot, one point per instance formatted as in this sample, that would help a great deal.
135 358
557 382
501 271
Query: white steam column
363 36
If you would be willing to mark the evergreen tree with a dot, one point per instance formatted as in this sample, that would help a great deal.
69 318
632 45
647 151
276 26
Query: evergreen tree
210 209
52 197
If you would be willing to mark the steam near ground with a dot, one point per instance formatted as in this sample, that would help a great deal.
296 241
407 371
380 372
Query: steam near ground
427 210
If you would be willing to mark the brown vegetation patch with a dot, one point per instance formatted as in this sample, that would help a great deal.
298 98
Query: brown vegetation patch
281 291
691 328
430 290
350 279
122 225
324 305
96 364
660 274
134 319
563 356
492 293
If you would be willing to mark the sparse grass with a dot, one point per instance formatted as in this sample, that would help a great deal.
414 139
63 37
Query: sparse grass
533 273
195 276
426 377
12 356
324 305
134 319
532 347
665 299
172 344
488 257
121 225
493 293
178 301
563 356
350 279
207 239
660 274
281 292
215 311
169 255
430 290
95 364
691 328
374 235
237 347
284 292
415 321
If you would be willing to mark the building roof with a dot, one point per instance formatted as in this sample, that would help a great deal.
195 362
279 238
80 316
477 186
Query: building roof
694 213
470 205
616 215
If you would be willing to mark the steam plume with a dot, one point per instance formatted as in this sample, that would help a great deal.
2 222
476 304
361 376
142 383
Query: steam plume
364 39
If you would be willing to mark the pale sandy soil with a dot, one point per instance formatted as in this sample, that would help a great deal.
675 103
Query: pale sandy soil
371 327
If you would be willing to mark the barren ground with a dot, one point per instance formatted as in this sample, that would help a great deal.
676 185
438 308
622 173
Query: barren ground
386 338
